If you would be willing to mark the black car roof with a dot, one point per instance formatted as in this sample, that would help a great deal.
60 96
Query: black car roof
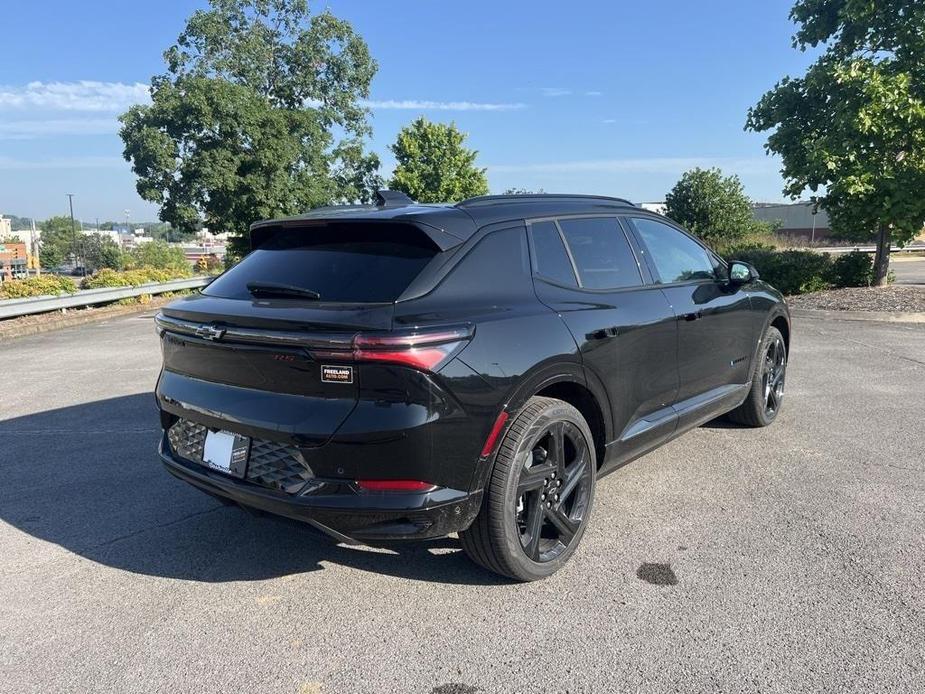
448 225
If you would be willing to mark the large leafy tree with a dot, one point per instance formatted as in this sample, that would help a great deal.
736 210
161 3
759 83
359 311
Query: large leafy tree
711 205
100 252
258 114
158 255
59 241
852 130
434 165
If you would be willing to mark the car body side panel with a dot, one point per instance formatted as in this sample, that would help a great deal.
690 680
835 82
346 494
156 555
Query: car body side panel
628 340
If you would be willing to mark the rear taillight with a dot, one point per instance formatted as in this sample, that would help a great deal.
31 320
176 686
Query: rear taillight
427 350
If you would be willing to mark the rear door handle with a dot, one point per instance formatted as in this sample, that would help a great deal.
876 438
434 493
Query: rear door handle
603 333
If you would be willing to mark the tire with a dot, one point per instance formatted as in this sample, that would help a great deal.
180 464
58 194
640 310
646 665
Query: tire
536 483
765 398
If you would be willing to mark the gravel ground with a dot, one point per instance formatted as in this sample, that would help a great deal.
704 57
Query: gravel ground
777 560
893 299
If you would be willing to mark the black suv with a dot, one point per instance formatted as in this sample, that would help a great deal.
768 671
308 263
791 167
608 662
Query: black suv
405 371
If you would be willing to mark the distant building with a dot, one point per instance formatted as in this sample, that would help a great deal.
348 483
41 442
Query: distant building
796 220
6 227
14 261
656 207
209 250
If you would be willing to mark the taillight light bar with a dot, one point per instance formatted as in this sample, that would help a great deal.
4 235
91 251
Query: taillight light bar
427 350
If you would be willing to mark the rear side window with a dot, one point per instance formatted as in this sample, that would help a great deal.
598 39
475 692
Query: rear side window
677 257
552 261
601 252
342 263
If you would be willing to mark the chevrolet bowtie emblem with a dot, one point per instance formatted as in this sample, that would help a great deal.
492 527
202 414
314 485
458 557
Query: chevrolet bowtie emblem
210 332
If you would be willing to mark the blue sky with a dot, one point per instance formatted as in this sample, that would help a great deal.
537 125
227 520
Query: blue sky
594 97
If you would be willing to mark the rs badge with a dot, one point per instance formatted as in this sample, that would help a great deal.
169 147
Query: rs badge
337 374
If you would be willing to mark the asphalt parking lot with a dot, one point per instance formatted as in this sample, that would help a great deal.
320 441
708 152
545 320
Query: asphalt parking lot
908 270
797 552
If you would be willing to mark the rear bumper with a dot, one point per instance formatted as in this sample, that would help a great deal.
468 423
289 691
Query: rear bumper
338 508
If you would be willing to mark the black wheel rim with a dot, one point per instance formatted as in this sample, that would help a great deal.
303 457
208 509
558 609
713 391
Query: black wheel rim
553 491
773 375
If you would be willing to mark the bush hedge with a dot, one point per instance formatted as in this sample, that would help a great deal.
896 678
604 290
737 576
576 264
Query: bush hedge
129 278
854 269
800 272
44 285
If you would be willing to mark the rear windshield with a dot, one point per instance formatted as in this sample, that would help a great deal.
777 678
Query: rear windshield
342 263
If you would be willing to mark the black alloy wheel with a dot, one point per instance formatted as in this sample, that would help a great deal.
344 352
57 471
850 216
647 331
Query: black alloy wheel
538 499
774 371
553 491
766 392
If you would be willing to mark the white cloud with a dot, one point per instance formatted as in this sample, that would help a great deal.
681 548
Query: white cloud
90 95
609 120
594 93
423 105
653 165
7 163
85 95
554 91
29 129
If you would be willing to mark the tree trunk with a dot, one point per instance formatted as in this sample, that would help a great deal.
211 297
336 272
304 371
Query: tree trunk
882 259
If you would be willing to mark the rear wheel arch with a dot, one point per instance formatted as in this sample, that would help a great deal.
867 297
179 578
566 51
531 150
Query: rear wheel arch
571 383
582 399
783 325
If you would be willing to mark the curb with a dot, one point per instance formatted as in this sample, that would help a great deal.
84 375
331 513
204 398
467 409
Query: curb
59 321
878 316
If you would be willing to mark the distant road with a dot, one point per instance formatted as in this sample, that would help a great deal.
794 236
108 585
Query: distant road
917 246
908 270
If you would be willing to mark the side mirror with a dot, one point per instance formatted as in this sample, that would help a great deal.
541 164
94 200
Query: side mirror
741 272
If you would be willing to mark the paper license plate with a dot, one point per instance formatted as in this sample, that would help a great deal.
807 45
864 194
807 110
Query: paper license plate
226 452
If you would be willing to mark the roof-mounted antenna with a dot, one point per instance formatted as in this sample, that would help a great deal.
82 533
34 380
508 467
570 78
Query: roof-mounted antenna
392 198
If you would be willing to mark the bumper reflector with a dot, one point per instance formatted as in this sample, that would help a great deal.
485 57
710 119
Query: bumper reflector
495 433
395 485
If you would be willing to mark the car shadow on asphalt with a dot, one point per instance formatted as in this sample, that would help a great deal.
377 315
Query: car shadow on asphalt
87 478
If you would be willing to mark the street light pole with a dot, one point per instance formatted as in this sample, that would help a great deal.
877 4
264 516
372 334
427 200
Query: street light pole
75 244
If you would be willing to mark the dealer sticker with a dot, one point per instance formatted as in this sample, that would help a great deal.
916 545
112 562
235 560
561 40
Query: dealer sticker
337 374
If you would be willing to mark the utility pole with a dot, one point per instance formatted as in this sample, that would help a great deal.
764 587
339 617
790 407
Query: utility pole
35 251
74 243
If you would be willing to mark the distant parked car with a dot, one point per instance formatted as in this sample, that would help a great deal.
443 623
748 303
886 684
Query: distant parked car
406 371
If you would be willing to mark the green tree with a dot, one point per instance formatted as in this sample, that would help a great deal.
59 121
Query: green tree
59 241
258 114
712 206
100 252
158 255
852 130
523 191
433 164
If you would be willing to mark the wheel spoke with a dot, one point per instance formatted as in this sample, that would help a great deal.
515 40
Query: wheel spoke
534 528
773 399
533 477
565 525
573 475
557 449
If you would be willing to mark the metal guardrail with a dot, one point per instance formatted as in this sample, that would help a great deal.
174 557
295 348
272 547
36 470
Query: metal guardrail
13 308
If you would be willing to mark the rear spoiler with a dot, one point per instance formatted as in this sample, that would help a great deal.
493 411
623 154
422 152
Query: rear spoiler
260 232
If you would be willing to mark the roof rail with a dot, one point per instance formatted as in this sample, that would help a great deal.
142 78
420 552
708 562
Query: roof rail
392 198
484 200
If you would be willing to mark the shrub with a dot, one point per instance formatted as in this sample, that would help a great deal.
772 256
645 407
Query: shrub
855 269
44 285
127 278
791 272
158 254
